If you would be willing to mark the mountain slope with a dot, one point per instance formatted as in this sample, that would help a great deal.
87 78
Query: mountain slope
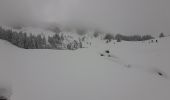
131 72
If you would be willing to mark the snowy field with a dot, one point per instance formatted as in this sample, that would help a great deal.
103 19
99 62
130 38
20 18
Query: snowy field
129 71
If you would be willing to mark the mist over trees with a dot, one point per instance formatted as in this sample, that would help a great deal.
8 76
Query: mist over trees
22 40
81 31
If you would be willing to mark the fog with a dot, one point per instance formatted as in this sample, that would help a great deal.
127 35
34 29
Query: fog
127 16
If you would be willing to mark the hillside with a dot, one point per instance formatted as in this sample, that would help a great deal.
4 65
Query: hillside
131 71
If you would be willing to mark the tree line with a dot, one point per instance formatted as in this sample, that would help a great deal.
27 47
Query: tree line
23 40
120 37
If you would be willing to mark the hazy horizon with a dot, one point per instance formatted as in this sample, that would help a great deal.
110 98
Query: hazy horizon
117 16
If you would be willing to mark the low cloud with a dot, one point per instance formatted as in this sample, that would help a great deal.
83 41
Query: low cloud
128 16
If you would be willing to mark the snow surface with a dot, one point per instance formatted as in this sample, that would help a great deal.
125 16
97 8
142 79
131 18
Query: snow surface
131 71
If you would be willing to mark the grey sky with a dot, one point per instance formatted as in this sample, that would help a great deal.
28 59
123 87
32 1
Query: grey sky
127 16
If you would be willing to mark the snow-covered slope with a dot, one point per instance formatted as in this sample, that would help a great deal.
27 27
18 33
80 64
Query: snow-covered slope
131 71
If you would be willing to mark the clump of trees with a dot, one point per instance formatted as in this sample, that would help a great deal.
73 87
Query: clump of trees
96 34
31 41
120 37
109 37
74 45
161 35
56 41
22 40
